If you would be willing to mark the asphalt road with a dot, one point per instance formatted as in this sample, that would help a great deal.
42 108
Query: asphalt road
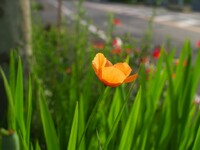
176 26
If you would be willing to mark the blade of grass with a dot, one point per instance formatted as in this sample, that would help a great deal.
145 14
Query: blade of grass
74 131
19 100
103 96
118 118
11 108
99 140
196 74
48 125
81 122
12 72
29 113
37 147
114 109
197 141
127 136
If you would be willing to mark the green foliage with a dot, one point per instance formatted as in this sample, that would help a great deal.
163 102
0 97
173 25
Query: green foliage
74 131
48 125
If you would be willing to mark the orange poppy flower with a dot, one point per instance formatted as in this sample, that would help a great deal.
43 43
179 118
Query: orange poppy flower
109 74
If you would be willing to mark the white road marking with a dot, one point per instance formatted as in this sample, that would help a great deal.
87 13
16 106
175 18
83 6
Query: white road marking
189 22
169 20
163 18
72 16
146 13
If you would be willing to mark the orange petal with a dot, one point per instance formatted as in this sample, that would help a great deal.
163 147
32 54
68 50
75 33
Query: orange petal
97 72
112 76
131 78
124 67
99 61
108 63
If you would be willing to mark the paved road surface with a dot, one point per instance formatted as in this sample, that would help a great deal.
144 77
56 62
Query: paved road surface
176 25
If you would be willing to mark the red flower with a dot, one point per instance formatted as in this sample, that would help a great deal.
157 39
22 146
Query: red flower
116 51
143 60
156 53
68 70
128 51
98 46
117 42
198 44
148 70
116 22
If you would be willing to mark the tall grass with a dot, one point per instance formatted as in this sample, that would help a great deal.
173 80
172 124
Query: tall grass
163 113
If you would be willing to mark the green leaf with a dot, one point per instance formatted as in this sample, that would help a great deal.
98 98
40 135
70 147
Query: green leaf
197 141
48 125
74 131
127 136
11 108
119 115
29 113
114 108
81 122
12 72
37 147
19 100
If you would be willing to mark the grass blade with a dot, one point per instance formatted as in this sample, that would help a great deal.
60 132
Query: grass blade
127 136
48 125
29 113
197 141
74 131
19 100
11 108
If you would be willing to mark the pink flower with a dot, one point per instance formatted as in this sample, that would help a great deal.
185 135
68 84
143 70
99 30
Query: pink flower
137 50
